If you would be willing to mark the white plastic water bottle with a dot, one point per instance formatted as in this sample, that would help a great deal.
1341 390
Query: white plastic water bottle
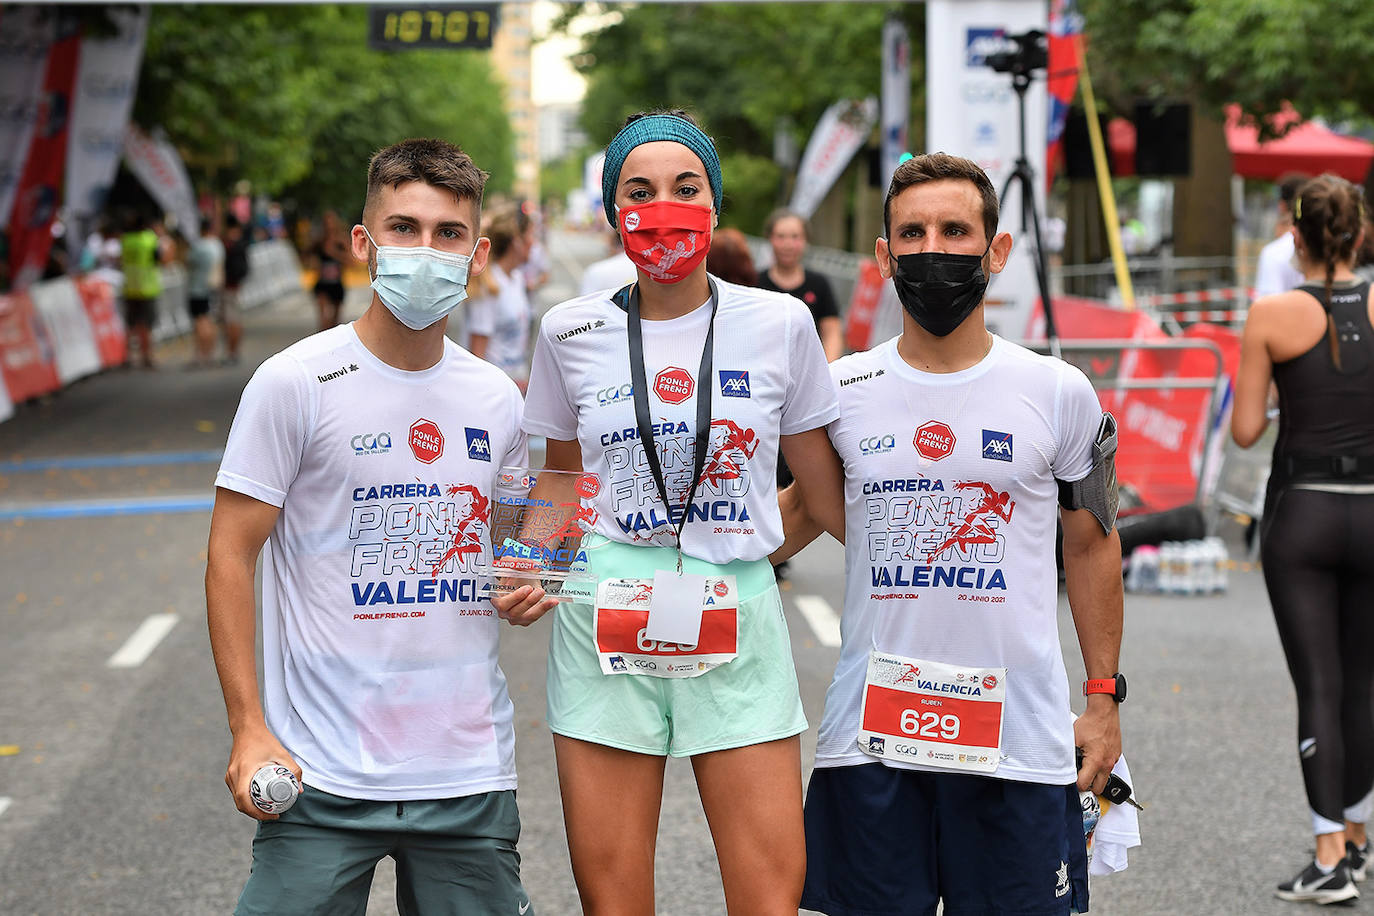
1221 562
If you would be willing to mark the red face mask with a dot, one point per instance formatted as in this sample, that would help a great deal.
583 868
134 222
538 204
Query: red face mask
666 239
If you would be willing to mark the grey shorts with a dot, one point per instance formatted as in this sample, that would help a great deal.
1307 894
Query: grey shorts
453 856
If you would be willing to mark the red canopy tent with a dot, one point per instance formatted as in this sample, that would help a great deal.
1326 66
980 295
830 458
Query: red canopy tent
1307 147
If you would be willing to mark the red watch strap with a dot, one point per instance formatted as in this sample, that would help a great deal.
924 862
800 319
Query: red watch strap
1101 685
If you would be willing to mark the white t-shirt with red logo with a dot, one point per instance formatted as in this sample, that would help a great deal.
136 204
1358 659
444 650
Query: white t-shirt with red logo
379 643
950 512
768 377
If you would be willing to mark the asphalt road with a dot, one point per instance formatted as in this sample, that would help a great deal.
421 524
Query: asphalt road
111 778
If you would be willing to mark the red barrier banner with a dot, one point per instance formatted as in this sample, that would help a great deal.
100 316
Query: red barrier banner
1162 433
39 191
28 361
111 337
863 307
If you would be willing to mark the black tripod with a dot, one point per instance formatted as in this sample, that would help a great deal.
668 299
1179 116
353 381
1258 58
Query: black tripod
1024 176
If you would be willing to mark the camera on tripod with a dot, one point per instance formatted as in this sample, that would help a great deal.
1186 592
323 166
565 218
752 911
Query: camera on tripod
1031 52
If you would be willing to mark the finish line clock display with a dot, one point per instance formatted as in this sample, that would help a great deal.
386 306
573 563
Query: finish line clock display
401 27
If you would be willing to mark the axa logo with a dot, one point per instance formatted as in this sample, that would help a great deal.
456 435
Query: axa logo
877 445
479 444
996 445
734 383
371 443
615 394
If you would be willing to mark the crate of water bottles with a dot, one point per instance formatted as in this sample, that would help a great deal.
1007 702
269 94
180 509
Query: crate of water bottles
1197 567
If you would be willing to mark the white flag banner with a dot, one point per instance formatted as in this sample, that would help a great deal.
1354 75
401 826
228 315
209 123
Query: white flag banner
106 78
26 33
156 163
896 94
839 134
971 111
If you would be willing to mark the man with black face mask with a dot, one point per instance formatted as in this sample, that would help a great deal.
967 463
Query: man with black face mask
948 721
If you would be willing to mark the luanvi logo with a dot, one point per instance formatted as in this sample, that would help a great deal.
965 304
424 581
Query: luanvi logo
573 332
337 373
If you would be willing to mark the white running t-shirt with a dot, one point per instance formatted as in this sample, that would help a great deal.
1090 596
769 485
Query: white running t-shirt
950 511
379 643
768 378
504 319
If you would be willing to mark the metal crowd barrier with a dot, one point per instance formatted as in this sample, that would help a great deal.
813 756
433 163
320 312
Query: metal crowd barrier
1080 352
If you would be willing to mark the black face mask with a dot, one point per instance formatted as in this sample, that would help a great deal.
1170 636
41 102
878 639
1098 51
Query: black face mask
939 290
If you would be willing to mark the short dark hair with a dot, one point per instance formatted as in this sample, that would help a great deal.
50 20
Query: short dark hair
1289 185
729 258
435 162
781 214
940 167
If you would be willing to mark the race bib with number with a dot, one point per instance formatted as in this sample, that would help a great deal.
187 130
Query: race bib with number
623 647
932 713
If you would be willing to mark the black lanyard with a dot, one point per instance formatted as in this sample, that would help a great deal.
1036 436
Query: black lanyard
646 427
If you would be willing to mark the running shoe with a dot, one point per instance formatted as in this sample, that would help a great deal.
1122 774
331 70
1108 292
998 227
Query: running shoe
1357 857
1311 886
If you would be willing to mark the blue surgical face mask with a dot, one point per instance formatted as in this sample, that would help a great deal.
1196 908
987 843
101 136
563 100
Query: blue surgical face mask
420 285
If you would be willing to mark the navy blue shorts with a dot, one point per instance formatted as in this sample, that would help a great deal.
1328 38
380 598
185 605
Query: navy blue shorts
882 841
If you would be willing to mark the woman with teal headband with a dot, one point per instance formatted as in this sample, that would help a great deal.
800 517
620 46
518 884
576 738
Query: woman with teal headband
677 392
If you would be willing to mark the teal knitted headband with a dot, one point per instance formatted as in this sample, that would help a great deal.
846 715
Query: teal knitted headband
646 130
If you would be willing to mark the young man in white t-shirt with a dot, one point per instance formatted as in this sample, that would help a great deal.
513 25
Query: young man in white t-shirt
364 457
945 763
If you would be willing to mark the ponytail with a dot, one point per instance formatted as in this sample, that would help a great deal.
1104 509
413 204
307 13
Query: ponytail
1329 227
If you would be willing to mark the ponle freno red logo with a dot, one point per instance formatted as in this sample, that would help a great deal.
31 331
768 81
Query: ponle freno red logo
673 385
588 486
934 440
990 682
426 442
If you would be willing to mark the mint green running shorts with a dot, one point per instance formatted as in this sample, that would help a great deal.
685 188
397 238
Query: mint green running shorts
750 700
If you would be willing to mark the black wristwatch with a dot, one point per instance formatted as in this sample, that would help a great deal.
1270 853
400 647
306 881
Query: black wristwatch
1115 685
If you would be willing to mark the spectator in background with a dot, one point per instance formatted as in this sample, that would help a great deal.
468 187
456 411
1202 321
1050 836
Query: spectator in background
142 283
235 272
498 323
331 252
1364 258
1275 272
610 273
204 281
786 232
535 270
729 258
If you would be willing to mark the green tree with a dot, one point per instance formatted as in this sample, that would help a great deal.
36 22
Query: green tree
291 99
743 70
1256 53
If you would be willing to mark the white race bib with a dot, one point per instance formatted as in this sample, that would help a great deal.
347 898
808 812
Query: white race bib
933 713
622 617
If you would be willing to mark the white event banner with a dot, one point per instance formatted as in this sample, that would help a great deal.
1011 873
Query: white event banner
26 33
157 165
971 111
106 79
840 133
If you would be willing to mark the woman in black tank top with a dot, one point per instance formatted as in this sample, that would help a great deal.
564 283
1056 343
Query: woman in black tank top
1316 344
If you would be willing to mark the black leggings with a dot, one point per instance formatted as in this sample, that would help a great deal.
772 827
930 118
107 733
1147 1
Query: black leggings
1318 552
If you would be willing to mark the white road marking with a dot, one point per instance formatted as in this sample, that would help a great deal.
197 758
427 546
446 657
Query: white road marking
144 640
4 803
825 623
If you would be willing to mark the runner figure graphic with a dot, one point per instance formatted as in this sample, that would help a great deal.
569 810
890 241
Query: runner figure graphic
667 257
467 535
723 464
976 528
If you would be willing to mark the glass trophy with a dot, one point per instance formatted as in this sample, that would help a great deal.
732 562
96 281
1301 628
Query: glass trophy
538 519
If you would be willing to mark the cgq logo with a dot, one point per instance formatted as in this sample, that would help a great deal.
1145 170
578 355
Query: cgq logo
371 443
877 445
614 394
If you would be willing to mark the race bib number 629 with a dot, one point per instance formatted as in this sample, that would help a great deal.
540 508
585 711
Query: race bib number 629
932 713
